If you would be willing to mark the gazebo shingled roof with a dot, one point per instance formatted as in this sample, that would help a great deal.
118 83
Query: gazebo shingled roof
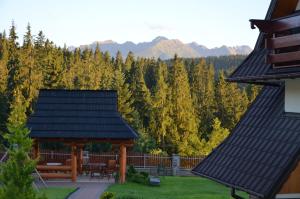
78 114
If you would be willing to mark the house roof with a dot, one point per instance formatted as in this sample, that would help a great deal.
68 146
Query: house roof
254 68
261 151
78 114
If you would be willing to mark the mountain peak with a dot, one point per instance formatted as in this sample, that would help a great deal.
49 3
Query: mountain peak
159 38
164 48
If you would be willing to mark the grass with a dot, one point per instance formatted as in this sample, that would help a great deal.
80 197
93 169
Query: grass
57 192
175 188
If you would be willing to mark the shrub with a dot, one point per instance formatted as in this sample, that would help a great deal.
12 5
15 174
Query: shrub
145 174
16 173
107 195
130 172
139 178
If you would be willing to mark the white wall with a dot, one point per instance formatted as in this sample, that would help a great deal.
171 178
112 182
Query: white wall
292 95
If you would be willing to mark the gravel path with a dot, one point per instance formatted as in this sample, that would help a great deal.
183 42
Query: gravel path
87 190
91 191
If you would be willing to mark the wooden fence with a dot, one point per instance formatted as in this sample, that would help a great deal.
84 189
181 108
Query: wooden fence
138 160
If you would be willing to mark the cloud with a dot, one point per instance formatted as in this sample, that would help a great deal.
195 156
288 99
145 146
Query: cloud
158 27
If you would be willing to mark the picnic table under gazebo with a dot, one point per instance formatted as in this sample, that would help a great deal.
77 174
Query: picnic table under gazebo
76 118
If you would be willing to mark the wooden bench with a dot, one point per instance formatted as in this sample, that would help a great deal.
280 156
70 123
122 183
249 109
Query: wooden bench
53 168
56 175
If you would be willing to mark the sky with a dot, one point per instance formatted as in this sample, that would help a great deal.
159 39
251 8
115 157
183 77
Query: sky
76 22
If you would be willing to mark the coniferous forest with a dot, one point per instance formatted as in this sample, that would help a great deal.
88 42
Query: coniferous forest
179 106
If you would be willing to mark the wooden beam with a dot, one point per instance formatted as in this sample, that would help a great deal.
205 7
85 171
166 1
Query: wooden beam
55 175
53 168
282 42
275 26
79 158
36 149
283 57
82 141
123 157
74 163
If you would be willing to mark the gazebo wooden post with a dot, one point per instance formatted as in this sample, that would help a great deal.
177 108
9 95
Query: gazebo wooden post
36 149
80 157
122 162
74 162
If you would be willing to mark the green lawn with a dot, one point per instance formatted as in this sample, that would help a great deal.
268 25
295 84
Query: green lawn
175 188
57 192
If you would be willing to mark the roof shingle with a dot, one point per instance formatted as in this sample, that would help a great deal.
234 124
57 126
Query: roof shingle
78 114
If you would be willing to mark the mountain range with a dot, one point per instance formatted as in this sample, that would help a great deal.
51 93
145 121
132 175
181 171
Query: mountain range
164 48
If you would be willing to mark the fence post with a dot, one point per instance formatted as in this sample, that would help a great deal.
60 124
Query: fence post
144 160
175 164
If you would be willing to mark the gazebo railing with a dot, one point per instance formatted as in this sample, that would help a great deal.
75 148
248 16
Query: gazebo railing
138 160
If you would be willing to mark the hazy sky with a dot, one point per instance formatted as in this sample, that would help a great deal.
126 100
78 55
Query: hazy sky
74 22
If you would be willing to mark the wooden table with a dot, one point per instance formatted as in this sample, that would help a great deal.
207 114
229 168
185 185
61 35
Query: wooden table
96 168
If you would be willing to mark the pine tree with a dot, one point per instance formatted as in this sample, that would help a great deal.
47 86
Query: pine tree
141 94
125 100
217 136
232 102
107 72
3 80
202 89
160 117
183 112
54 66
13 63
29 70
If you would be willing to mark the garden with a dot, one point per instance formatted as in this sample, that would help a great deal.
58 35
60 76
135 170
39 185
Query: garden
171 187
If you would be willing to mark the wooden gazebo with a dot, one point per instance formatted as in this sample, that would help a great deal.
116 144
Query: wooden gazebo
78 117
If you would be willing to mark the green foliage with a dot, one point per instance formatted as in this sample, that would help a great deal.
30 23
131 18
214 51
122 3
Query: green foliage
15 174
186 137
171 104
138 177
203 94
130 171
217 135
232 102
108 195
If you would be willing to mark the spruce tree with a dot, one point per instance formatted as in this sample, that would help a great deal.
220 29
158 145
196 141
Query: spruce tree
141 94
125 100
232 102
3 80
183 112
160 117
202 89
13 63
217 136
29 70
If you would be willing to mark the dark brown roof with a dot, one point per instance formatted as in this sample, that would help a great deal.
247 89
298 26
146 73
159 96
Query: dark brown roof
261 151
78 114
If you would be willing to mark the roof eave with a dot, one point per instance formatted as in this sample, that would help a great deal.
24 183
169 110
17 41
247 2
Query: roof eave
229 185
265 79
